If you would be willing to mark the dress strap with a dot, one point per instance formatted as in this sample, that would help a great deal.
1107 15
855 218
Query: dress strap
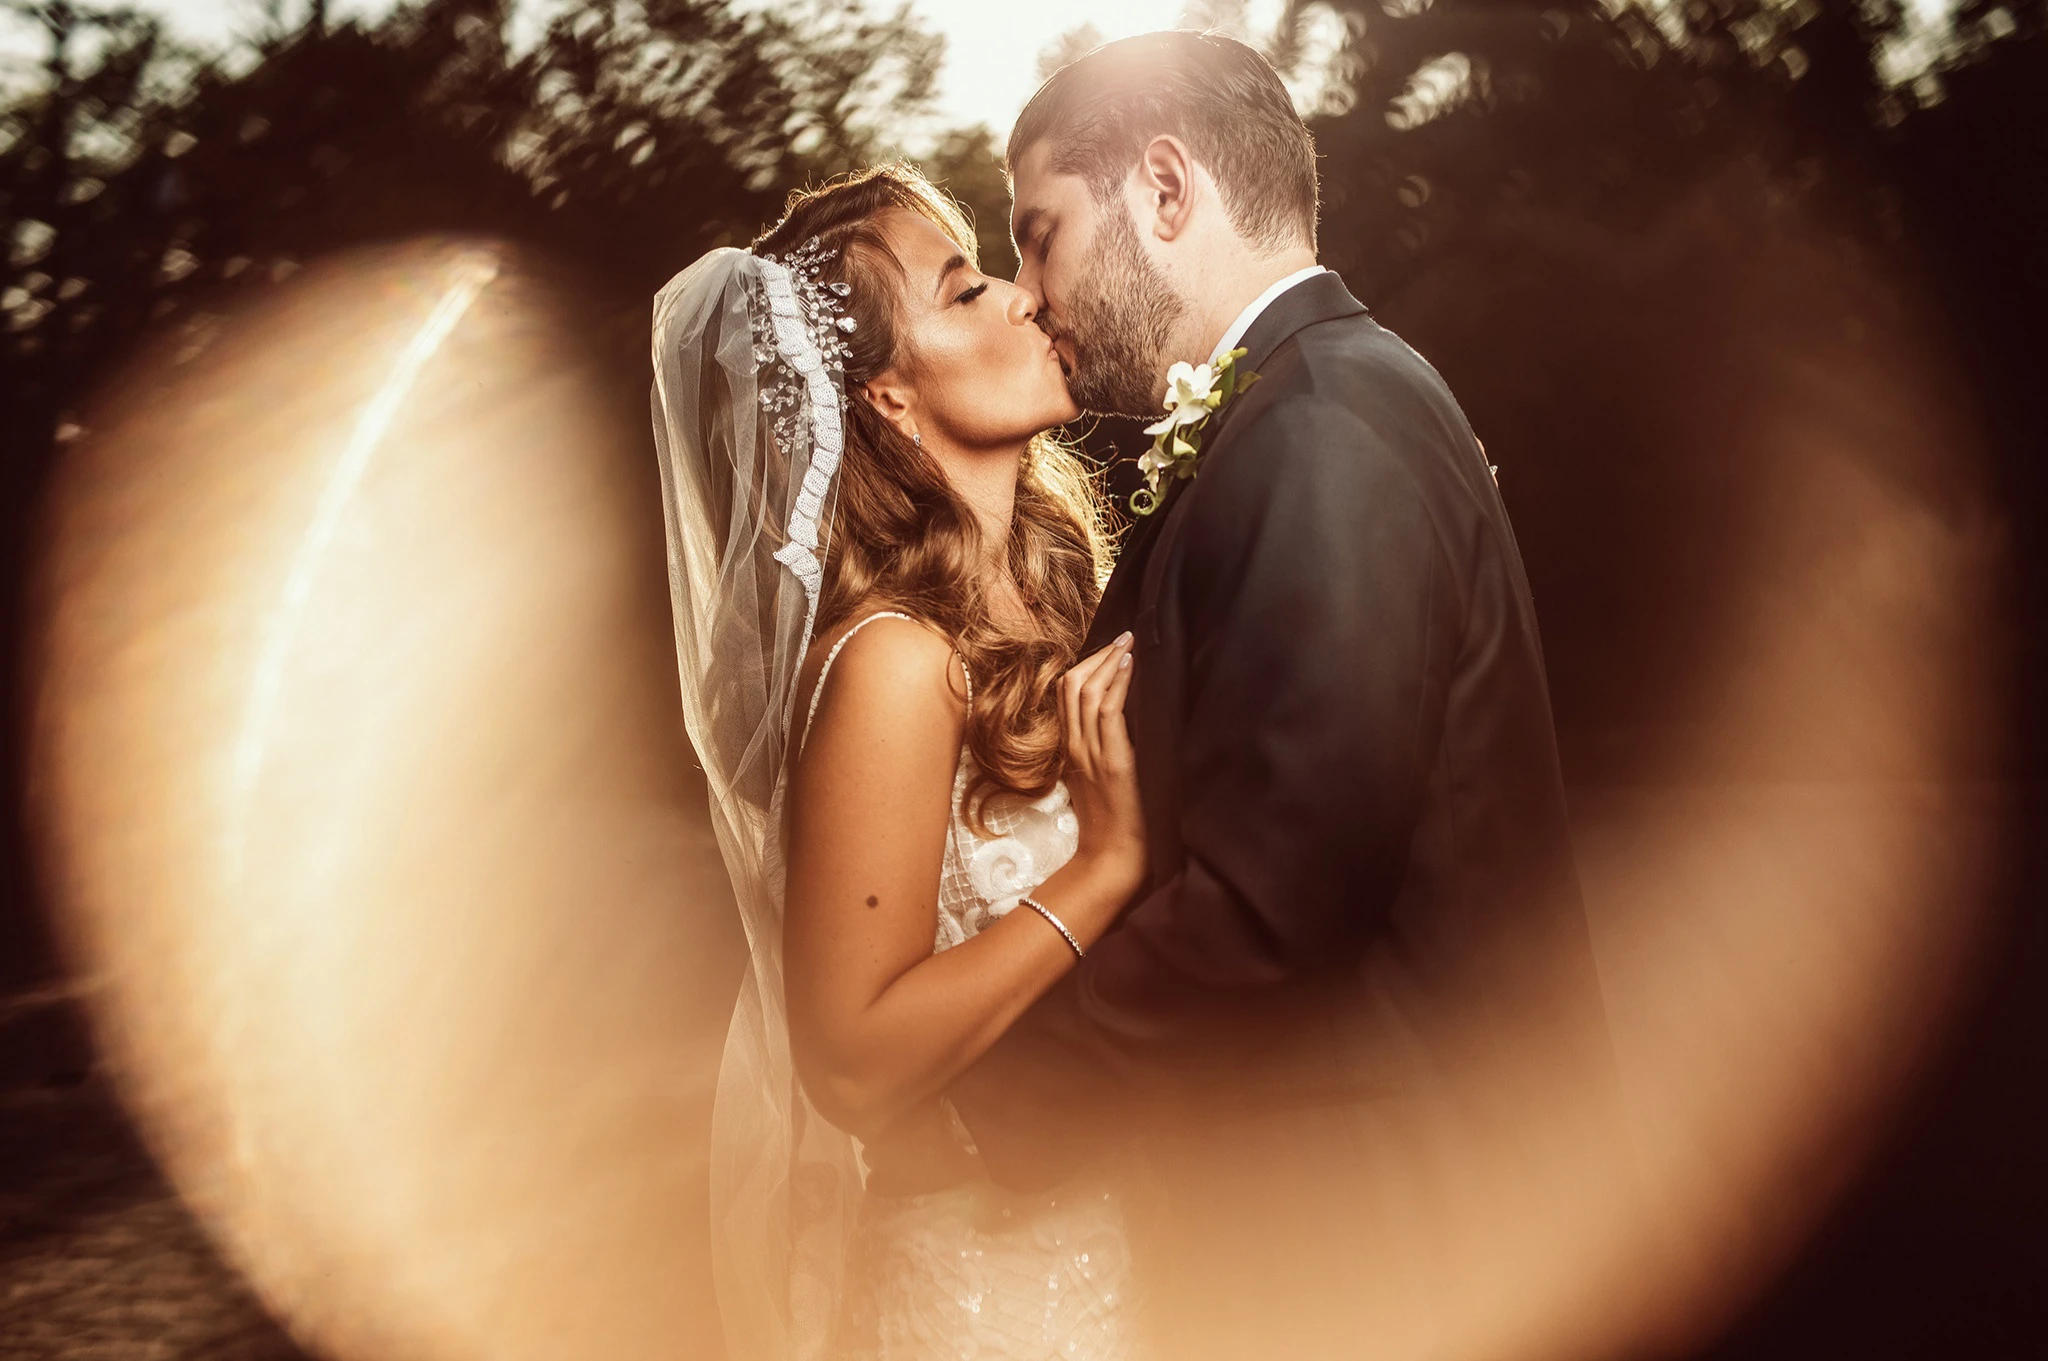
818 690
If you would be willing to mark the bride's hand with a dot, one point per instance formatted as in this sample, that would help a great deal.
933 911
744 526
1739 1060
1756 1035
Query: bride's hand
1101 768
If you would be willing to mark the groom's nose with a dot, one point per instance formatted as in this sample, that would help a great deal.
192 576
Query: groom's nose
1027 279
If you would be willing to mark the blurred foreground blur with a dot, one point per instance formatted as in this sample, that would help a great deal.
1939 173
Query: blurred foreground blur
372 826
361 797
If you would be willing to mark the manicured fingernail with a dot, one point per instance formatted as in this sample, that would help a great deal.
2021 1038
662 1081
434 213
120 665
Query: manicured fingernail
1123 639
1124 662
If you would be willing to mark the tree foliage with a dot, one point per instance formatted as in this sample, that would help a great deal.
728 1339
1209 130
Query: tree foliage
142 186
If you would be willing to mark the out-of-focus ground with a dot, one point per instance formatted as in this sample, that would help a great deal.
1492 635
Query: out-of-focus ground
98 1257
1938 1250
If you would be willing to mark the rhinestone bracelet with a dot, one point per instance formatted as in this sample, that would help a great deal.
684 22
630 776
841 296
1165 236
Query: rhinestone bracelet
1042 910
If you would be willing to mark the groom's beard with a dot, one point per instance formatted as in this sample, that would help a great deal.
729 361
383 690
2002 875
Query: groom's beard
1119 326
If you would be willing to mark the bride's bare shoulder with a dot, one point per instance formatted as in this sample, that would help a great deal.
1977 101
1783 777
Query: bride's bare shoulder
884 672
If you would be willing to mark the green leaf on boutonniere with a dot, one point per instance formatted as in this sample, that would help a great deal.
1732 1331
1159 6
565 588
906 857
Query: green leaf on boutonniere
1194 394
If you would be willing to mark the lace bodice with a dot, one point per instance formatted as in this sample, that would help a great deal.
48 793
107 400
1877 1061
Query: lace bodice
984 874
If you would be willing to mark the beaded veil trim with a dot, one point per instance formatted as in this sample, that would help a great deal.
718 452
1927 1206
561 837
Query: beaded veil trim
800 339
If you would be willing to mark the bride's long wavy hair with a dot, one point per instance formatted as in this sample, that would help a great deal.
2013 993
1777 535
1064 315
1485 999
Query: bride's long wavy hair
901 534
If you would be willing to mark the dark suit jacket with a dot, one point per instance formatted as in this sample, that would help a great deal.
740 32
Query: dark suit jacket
1350 776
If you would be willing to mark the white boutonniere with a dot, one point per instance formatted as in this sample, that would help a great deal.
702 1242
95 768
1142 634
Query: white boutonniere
1194 393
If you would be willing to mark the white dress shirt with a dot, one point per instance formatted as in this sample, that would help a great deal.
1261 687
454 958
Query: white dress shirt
1258 305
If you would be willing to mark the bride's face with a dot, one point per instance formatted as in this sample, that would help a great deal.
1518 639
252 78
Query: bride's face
977 371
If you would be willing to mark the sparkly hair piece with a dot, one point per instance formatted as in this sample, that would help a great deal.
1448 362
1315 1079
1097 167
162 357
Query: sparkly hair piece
822 302
800 350
818 308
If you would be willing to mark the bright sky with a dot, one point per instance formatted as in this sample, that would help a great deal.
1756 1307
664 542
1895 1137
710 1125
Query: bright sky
991 49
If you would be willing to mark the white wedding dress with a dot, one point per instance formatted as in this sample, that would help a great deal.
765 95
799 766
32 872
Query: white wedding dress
973 1272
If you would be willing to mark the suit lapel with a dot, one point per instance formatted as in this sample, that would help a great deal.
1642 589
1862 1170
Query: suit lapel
1132 589
1318 299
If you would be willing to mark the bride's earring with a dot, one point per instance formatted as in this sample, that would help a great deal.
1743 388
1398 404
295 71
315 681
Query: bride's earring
917 439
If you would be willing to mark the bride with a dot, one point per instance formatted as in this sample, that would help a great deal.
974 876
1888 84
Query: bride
882 567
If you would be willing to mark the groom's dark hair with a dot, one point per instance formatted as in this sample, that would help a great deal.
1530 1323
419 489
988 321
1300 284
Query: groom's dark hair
1214 93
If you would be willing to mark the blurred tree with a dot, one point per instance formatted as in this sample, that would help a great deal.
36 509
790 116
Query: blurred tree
1461 112
1072 45
103 85
969 165
671 126
1304 40
141 187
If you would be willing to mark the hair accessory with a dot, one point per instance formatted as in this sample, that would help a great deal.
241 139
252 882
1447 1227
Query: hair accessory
821 302
1042 910
796 293
800 355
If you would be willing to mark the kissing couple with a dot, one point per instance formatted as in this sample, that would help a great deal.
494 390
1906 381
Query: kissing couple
1048 868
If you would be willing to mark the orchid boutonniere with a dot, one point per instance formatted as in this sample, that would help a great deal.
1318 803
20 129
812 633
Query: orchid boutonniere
1194 393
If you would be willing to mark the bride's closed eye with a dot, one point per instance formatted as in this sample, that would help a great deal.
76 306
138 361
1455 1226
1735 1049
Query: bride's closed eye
971 294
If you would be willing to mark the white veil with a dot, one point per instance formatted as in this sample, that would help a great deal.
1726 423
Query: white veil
748 393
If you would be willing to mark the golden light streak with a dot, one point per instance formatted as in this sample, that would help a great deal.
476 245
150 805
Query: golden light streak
432 1067
471 273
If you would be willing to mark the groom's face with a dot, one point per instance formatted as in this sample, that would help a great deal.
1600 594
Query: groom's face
1108 307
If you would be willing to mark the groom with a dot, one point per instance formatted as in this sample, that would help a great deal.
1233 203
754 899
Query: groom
1362 884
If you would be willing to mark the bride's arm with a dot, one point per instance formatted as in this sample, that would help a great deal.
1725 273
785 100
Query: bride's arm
878 1022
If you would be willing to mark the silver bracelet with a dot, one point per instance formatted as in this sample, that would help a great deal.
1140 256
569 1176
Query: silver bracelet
1042 910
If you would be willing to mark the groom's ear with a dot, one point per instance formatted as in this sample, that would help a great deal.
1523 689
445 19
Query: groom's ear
1166 174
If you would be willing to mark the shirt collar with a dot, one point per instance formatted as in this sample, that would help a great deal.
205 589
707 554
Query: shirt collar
1259 304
